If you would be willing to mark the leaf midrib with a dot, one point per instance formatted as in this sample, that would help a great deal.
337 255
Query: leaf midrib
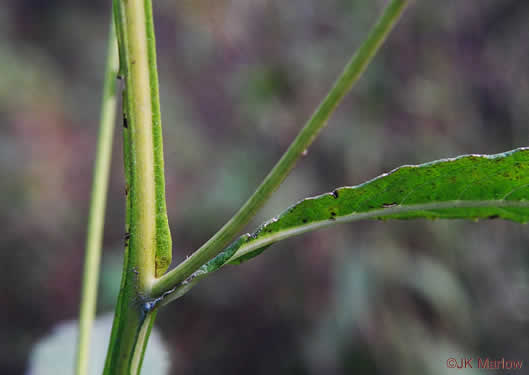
265 240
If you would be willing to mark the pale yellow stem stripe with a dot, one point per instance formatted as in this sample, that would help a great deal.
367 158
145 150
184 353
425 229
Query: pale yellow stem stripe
145 200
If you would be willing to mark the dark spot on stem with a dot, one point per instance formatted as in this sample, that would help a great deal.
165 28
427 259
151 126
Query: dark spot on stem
126 238
304 220
388 205
125 123
333 213
492 217
126 189
335 193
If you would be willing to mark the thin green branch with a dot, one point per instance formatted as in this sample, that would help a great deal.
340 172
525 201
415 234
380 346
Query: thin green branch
350 75
97 207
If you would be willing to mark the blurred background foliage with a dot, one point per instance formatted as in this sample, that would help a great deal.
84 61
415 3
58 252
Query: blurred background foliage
238 79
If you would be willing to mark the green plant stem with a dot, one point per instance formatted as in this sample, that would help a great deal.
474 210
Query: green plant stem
138 139
146 219
350 75
96 218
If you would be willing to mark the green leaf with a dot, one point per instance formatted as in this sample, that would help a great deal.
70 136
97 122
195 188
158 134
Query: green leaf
467 187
